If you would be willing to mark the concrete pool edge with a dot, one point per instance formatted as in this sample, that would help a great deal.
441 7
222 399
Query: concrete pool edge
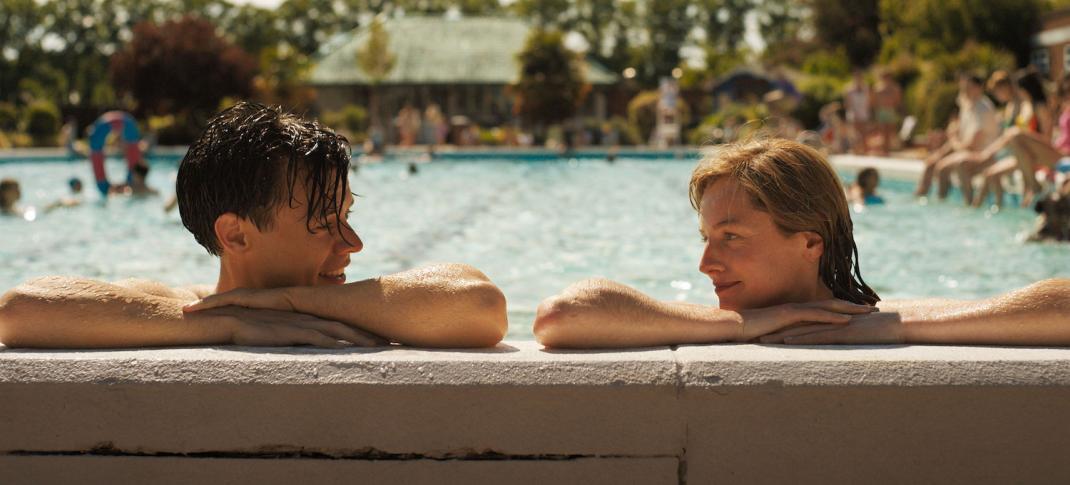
729 413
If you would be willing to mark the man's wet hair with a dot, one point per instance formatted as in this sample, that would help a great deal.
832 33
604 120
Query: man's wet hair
248 161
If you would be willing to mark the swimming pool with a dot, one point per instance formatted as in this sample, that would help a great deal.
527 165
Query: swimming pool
532 226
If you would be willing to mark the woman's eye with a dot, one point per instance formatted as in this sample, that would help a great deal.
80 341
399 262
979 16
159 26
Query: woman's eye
730 237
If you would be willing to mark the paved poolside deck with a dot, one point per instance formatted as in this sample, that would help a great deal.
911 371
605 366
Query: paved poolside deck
522 414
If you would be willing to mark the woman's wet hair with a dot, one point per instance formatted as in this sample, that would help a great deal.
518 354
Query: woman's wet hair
801 192
248 161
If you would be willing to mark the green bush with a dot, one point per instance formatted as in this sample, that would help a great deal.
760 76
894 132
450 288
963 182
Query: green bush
642 113
42 121
825 63
752 116
9 117
817 91
351 118
491 136
939 101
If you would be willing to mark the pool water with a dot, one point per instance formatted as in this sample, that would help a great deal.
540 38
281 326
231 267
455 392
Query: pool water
532 227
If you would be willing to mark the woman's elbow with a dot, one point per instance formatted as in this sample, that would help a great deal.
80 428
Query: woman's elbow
555 321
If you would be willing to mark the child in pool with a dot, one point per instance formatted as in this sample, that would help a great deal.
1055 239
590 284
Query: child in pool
864 190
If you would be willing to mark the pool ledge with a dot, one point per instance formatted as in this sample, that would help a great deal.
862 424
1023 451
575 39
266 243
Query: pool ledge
521 414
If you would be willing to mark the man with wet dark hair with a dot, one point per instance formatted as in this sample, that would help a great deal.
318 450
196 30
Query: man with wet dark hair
268 193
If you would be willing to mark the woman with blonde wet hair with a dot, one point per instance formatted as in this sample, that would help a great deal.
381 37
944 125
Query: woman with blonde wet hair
780 252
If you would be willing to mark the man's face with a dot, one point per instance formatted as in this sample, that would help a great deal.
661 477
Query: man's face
288 255
750 261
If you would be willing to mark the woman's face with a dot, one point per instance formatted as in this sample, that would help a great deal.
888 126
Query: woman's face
1003 93
751 262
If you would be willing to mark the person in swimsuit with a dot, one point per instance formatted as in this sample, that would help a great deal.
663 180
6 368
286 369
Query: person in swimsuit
864 190
786 272
977 127
857 103
10 193
1033 148
887 98
267 192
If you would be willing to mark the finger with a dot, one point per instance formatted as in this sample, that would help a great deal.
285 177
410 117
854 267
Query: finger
844 306
810 316
308 336
836 336
213 301
779 337
345 332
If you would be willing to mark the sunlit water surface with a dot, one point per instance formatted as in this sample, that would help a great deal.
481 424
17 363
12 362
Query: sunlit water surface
532 227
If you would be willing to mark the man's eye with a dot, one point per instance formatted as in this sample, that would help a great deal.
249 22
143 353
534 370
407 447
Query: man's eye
728 236
704 238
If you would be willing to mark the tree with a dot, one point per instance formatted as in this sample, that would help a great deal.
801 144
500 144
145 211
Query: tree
376 60
667 25
929 27
20 44
552 85
853 25
182 66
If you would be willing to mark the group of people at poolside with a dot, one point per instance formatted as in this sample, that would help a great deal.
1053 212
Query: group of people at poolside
1029 136
865 113
268 193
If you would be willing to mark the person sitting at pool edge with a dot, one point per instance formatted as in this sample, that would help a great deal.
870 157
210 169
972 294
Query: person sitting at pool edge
778 238
268 193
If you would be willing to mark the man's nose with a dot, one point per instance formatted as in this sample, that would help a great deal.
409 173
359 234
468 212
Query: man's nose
348 241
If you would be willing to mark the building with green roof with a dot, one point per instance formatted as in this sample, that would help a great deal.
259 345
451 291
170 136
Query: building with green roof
462 64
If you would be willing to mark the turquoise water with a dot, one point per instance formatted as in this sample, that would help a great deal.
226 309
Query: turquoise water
533 227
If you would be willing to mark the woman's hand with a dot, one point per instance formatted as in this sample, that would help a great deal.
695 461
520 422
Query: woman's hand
875 328
776 319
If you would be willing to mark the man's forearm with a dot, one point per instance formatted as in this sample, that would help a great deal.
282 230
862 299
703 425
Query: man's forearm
1038 314
438 306
604 314
61 312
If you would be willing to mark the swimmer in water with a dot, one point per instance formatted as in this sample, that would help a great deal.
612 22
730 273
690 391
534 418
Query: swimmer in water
10 193
138 186
74 200
864 190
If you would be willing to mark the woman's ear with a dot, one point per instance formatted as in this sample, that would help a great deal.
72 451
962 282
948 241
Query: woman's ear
814 246
230 232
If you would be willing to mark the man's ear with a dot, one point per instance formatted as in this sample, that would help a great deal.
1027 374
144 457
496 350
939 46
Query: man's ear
231 233
815 245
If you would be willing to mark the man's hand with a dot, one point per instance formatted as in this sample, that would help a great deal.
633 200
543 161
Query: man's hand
875 328
830 313
264 299
257 327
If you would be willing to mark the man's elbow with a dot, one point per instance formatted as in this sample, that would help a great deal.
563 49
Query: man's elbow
489 314
1053 292
473 315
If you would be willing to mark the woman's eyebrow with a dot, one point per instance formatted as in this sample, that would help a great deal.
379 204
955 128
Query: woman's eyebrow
726 221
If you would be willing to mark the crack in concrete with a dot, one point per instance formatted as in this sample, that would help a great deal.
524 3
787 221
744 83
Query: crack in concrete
681 459
370 454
